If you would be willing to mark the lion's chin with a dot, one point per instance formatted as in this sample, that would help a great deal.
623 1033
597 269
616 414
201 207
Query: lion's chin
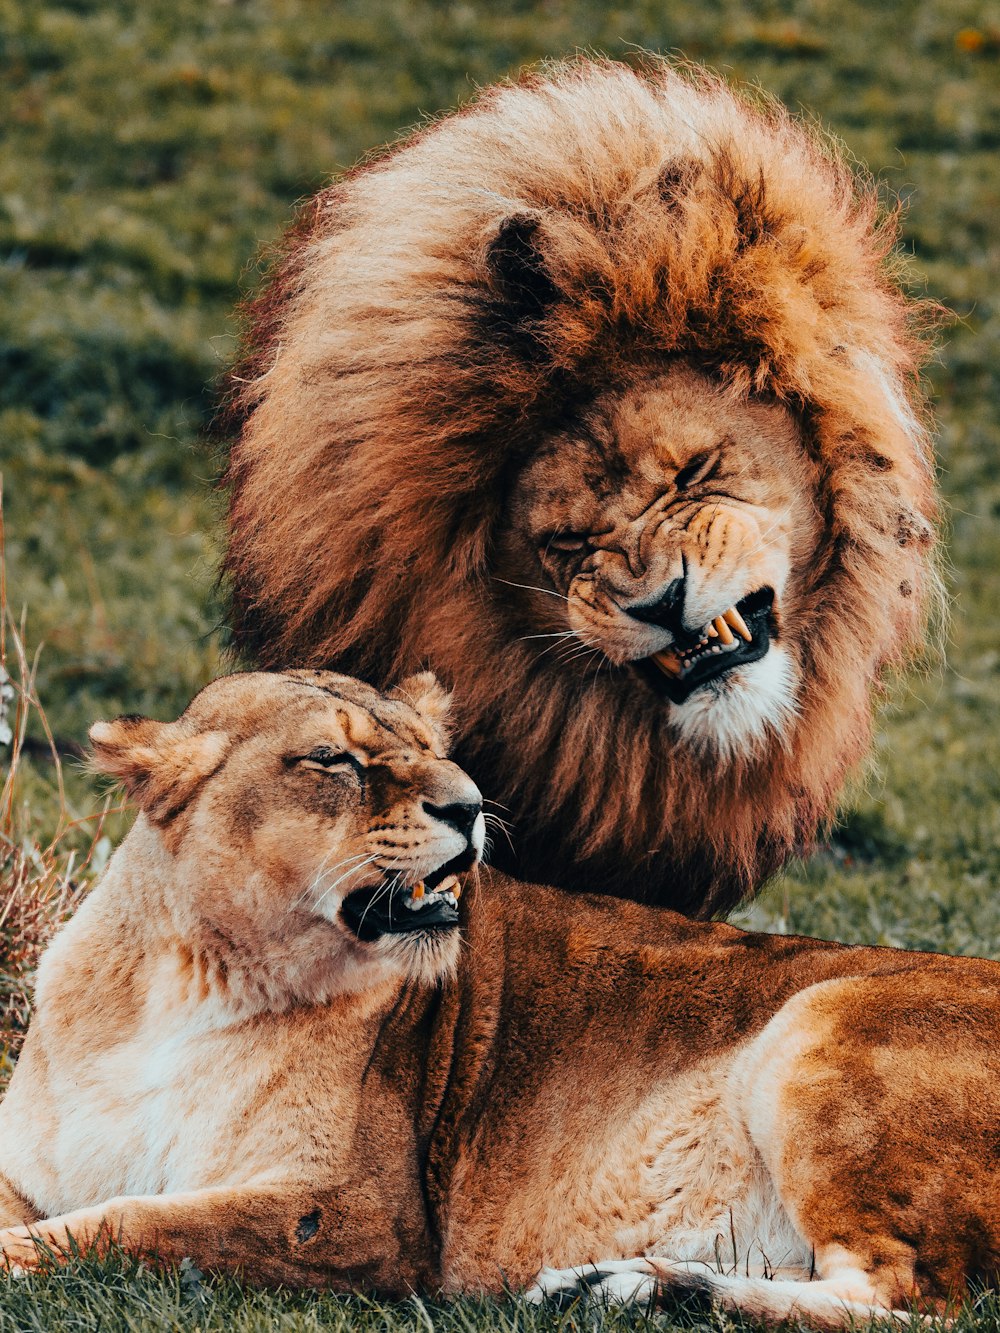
735 715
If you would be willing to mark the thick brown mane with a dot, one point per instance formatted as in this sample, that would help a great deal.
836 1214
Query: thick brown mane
441 309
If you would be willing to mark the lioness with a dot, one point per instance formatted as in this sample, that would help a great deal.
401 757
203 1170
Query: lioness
273 1040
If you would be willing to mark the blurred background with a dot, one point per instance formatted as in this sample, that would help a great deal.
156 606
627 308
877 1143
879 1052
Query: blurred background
151 149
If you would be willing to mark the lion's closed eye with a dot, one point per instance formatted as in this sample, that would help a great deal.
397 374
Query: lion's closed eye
701 468
566 543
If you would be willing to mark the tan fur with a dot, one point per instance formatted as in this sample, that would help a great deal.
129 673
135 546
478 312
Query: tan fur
553 265
218 1068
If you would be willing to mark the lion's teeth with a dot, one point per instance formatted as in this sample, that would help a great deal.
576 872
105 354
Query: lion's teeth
710 631
724 632
667 662
418 892
733 617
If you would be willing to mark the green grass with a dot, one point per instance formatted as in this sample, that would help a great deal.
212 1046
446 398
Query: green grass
151 147
125 1295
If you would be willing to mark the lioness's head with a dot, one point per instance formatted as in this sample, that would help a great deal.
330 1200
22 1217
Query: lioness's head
307 816
675 524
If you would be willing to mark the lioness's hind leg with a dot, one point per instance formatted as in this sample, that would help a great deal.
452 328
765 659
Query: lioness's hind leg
829 1304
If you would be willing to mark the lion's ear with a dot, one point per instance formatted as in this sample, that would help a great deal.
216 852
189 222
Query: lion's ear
160 764
515 261
428 696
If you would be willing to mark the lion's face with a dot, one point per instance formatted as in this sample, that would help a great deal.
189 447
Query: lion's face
670 527
309 797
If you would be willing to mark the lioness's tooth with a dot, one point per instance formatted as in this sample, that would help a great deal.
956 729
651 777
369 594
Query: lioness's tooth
456 889
711 632
418 891
733 617
725 633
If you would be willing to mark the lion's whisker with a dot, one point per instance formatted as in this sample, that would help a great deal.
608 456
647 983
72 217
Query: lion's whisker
531 587
561 644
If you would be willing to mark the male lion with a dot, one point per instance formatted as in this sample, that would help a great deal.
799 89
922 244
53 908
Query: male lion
600 399
260 1044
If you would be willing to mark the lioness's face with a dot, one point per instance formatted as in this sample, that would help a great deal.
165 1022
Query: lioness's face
306 795
670 527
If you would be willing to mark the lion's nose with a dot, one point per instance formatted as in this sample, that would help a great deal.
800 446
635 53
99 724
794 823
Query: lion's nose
460 815
667 611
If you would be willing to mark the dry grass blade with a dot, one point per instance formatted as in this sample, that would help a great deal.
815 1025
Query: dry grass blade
40 881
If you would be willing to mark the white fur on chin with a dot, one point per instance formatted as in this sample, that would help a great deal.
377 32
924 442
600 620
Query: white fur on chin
737 713
424 957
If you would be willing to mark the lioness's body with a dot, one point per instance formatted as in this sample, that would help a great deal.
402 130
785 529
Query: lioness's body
221 1067
600 1080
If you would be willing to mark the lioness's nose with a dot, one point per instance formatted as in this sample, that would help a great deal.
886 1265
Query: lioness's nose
460 815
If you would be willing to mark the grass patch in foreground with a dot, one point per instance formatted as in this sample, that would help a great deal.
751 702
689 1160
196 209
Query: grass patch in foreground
124 1294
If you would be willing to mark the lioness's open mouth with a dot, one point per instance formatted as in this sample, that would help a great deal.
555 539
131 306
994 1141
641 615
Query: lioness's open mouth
740 635
390 908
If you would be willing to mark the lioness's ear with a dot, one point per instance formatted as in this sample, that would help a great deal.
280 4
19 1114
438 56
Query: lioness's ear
516 264
428 696
160 764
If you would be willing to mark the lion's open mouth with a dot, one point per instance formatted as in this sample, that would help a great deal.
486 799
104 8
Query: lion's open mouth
740 635
391 908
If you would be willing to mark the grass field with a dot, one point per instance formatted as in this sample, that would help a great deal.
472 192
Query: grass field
150 148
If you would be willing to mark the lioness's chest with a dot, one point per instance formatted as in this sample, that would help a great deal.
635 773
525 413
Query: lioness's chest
188 1101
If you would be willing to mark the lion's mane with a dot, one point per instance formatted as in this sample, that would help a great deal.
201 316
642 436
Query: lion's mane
437 311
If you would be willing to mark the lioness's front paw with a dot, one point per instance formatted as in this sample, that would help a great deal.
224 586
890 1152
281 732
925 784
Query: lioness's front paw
30 1248
19 1254
611 1282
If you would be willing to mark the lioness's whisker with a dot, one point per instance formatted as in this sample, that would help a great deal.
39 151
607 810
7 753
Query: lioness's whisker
317 879
347 875
495 820
382 891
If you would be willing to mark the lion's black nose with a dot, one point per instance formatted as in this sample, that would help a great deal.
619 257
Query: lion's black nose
667 611
461 815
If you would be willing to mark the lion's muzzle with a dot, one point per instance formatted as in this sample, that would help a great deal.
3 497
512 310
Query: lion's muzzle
738 636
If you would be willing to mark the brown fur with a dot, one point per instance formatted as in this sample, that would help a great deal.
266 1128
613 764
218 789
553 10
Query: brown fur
794 1128
445 312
